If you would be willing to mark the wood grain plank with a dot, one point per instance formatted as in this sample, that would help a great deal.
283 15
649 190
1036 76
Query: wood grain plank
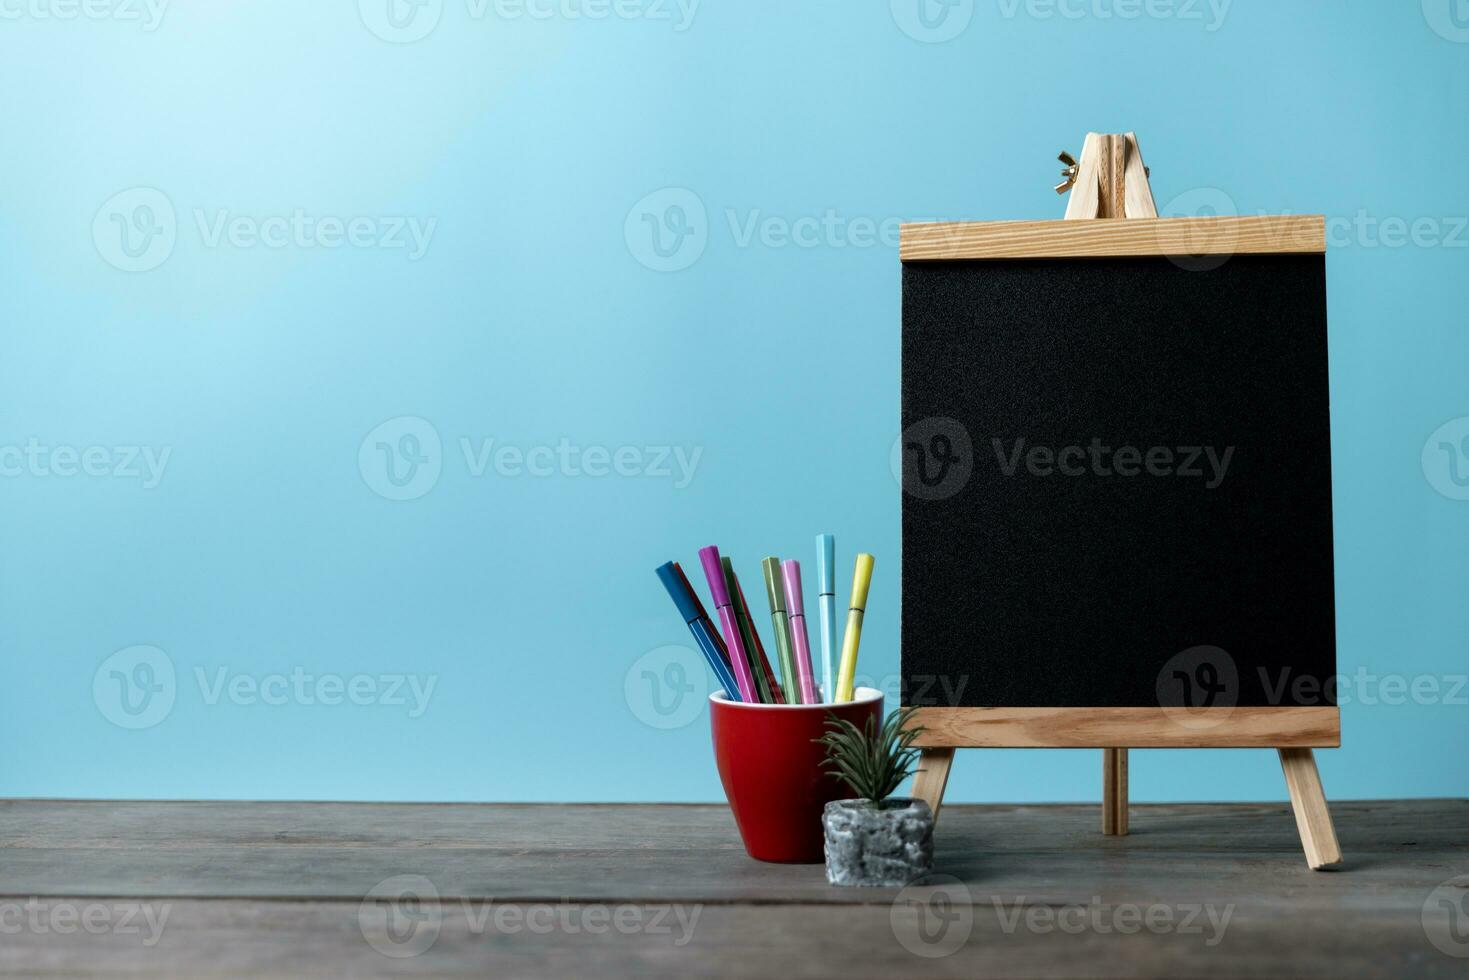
979 936
1219 235
1114 170
1138 728
279 889
1085 200
1139 188
149 827
933 776
1114 792
1308 800
694 852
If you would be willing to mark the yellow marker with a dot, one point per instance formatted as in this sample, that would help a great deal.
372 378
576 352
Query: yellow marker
861 579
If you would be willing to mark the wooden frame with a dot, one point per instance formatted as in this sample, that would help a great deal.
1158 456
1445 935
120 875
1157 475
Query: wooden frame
1224 235
1134 728
1111 192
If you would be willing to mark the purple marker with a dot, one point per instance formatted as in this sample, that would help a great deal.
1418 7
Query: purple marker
738 658
790 573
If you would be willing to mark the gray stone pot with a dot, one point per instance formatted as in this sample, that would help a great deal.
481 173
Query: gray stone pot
888 845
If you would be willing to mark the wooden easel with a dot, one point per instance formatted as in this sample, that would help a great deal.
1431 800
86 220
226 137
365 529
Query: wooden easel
1110 182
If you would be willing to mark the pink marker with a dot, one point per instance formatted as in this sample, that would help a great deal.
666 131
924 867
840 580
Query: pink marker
738 658
790 573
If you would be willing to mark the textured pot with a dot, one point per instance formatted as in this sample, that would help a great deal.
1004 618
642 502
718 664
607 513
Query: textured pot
890 845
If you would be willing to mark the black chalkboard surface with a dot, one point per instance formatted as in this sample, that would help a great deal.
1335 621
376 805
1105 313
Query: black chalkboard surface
1117 481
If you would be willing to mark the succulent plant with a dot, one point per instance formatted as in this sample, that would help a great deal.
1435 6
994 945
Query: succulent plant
874 761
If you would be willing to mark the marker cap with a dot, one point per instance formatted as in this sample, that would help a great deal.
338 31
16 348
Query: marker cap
688 606
773 591
790 571
861 579
826 559
714 570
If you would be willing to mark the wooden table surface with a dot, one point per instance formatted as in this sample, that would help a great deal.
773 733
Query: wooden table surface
360 889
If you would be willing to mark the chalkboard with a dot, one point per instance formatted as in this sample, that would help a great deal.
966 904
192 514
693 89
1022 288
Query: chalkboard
1116 473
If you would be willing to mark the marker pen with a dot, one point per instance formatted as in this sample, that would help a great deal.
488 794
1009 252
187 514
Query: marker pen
826 611
698 605
765 683
698 623
790 570
775 595
739 661
861 579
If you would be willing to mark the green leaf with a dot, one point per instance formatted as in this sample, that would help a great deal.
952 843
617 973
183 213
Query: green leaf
874 759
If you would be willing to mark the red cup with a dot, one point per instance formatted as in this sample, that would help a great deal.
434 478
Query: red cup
771 768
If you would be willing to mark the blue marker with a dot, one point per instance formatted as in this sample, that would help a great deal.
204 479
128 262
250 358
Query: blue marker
693 613
826 608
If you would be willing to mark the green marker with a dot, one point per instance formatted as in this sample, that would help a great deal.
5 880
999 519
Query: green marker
778 614
748 636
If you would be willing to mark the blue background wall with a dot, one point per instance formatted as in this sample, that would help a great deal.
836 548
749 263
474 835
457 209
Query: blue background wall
535 155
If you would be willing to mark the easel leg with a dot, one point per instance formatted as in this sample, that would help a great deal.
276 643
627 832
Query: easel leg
1313 819
933 776
1114 792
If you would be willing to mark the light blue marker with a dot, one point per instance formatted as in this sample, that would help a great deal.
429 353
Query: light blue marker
826 602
